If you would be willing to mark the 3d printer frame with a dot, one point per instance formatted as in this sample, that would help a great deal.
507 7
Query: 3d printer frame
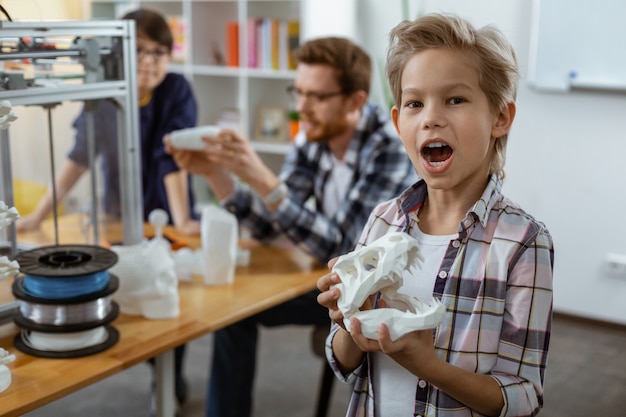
107 52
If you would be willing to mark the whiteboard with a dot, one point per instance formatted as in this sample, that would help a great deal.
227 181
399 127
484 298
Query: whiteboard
578 43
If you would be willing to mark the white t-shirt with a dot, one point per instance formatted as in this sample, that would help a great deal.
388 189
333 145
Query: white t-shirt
394 386
336 186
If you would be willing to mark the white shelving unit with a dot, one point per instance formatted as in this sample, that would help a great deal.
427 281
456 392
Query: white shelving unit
219 87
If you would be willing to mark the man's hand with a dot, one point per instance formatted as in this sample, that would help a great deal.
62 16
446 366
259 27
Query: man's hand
194 162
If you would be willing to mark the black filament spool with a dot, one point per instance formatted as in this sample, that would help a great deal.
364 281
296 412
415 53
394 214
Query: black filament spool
65 260
112 339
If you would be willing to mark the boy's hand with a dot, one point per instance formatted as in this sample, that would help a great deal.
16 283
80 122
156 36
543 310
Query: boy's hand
329 296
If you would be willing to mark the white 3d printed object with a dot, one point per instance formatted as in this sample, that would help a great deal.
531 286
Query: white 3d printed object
379 267
8 268
191 138
6 114
5 373
147 274
7 215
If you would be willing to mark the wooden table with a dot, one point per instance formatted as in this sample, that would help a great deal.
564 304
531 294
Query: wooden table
273 276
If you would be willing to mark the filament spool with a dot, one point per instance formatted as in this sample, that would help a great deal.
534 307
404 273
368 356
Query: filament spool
71 315
73 345
65 260
65 271
65 304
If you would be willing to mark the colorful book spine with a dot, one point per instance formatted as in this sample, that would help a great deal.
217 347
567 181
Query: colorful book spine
272 42
232 43
283 50
253 32
178 26
293 41
266 43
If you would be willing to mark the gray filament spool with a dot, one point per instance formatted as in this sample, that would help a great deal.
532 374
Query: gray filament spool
60 315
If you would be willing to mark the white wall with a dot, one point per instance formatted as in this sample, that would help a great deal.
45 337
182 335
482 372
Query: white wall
565 159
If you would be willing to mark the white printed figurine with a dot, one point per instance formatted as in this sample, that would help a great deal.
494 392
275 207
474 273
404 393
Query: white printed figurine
8 268
8 215
5 373
147 274
379 267
6 114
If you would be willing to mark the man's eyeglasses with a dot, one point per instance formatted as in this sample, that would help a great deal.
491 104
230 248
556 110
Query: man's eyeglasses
311 96
156 54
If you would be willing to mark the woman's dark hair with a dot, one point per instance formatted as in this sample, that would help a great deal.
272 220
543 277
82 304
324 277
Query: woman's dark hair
152 24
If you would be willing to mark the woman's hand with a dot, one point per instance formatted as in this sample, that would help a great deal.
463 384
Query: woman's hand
27 223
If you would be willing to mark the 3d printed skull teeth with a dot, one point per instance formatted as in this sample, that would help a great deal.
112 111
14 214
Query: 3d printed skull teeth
379 267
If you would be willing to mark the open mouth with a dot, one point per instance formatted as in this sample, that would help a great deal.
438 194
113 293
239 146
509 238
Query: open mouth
436 153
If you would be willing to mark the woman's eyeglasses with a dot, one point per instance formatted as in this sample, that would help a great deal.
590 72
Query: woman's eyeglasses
156 54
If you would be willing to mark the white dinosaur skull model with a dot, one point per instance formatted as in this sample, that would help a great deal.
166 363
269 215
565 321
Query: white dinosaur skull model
379 267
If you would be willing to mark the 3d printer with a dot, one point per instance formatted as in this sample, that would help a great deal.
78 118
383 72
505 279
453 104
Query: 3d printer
48 63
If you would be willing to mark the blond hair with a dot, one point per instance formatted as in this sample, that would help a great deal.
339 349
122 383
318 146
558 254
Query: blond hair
487 47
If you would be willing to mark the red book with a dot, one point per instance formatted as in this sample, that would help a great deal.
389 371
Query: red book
232 44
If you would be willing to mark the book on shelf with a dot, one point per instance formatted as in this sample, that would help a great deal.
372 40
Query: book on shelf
271 43
293 42
178 26
232 43
253 32
264 50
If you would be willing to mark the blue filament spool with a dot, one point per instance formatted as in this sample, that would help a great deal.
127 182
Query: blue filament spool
65 271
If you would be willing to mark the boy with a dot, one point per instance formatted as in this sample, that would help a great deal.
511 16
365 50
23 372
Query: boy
346 158
488 261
